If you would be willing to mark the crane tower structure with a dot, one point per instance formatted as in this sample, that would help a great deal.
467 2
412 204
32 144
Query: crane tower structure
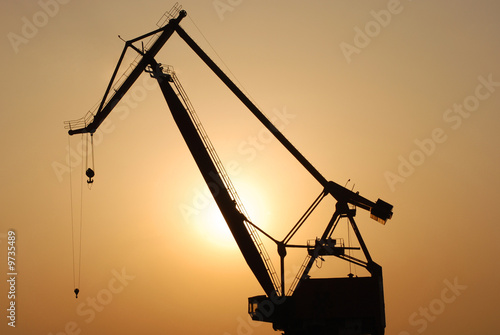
312 306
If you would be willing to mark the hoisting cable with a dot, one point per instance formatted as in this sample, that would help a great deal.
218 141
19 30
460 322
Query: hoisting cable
349 250
80 233
72 216
350 275
349 246
76 255
90 170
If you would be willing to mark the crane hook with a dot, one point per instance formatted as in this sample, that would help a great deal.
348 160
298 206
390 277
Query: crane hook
90 174
76 292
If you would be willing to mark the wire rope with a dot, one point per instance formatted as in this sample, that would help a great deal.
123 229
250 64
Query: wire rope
76 252
349 250
92 150
349 244
72 210
81 221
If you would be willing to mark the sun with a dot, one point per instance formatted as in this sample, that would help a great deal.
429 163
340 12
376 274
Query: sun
214 228
209 224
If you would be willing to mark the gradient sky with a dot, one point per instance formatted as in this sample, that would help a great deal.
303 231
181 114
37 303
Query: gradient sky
402 98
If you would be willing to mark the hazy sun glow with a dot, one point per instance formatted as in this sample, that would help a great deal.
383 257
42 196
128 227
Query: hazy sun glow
213 227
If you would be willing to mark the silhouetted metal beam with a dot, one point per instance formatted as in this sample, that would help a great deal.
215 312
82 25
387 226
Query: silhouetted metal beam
339 192
234 219
251 106
105 109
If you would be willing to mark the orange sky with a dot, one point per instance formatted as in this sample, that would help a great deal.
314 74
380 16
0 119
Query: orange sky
400 97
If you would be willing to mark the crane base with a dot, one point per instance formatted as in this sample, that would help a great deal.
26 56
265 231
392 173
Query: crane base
349 306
